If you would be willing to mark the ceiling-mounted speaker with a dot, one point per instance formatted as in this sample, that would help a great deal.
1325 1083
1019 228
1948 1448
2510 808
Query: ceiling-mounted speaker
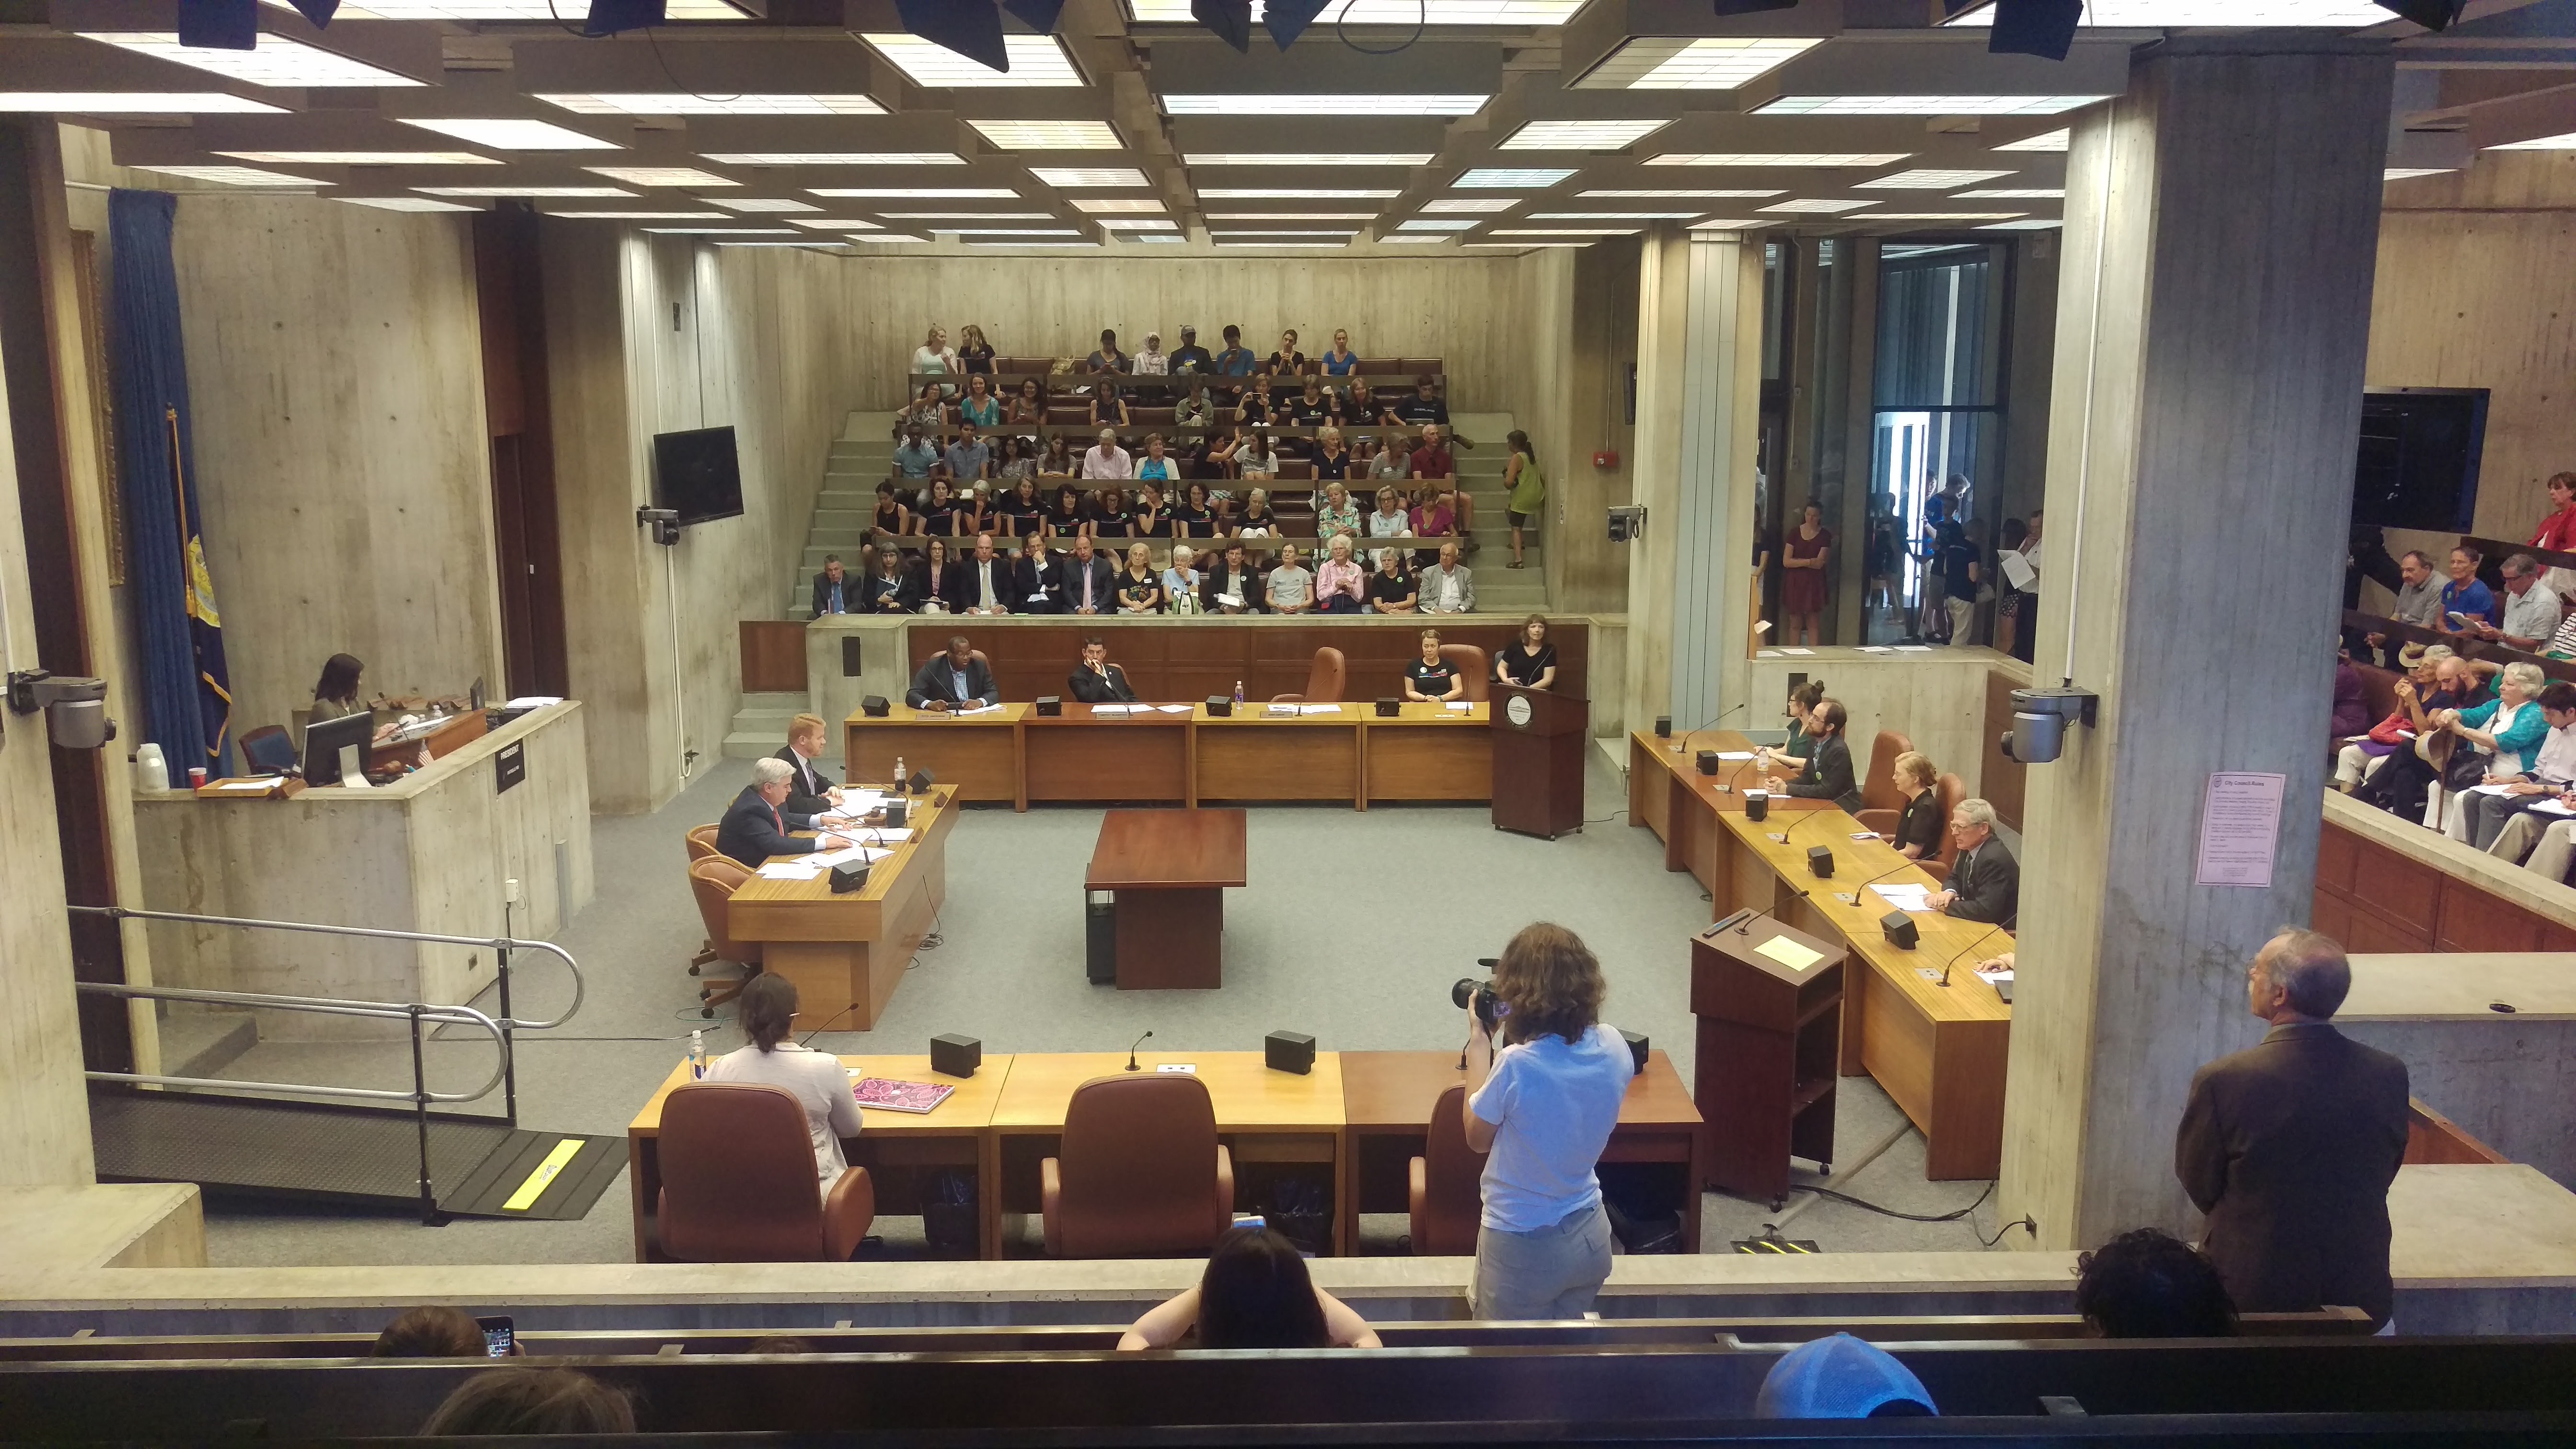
1288 19
1037 15
2431 14
972 28
1229 20
219 24
609 17
2045 28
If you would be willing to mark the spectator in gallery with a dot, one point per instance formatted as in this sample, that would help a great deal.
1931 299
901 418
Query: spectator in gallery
1423 405
1109 405
835 592
967 458
1105 459
438 1331
771 1057
974 354
755 826
1524 489
889 586
1106 358
1338 515
1960 574
2557 532
1340 361
2466 600
1841 1377
1433 460
1341 586
1254 1293
1140 589
1028 405
916 456
938 579
1064 519
1153 512
1361 407
1235 359
1151 359
1193 512
2531 608
1287 361
1110 515
1392 463
1058 460
1257 521
2289 1146
1919 823
932 358
1333 461
1021 513
1195 409
1258 461
929 409
1154 467
1804 552
979 406
941 511
1391 589
1291 587
1037 580
1231 586
1389 521
2479 817
986 587
1181 580
2147 1283
1433 518
1258 405
2400 784
2419 601
2507 731
1090 580
1985 881
889 520
1448 587
1190 358
530 1401
1310 408
1219 448
2351 706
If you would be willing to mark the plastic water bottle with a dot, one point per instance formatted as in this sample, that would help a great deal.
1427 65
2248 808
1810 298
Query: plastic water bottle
697 1055
1238 691
899 775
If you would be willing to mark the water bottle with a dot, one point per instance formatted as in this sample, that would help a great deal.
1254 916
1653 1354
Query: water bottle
151 771
899 775
697 1055
1238 691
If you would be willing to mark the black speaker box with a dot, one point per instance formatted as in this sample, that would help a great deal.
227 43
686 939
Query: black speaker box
1663 727
1289 1051
1757 804
1220 707
920 782
955 1056
897 811
848 878
1820 859
1636 1049
874 706
1709 762
1050 706
1901 930
1388 705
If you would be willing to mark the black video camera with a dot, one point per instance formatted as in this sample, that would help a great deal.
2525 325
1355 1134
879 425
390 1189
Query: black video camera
1469 993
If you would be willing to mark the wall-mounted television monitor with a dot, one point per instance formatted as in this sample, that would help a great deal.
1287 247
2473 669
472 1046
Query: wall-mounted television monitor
697 474
2418 464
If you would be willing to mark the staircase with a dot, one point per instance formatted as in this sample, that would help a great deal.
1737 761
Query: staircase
760 725
861 459
1500 589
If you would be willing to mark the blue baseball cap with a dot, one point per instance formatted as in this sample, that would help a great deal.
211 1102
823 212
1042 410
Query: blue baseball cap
1840 1378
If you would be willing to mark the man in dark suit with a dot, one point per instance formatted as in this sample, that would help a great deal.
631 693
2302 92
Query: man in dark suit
954 680
1038 579
834 592
1985 882
1828 775
2290 1146
1235 579
1098 681
1090 584
754 827
984 580
810 792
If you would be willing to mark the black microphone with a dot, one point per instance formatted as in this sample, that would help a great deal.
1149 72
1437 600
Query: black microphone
1772 910
1783 837
1854 898
1972 945
1131 1053
1684 747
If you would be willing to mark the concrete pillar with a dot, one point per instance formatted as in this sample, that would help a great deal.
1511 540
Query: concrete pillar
1699 392
2222 219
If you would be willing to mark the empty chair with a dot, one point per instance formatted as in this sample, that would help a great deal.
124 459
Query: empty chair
1376 369
1880 800
1140 1173
738 1182
714 880
701 842
1950 789
1323 680
1447 1188
1416 366
1472 666
268 750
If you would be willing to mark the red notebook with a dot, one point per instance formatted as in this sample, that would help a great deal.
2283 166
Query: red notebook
892 1096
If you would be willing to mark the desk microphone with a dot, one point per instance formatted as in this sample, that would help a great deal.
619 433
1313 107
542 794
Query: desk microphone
1749 917
1783 837
1972 945
1131 1053
1684 747
1854 898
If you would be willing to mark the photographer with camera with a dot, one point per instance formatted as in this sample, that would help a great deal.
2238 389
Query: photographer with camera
1543 1107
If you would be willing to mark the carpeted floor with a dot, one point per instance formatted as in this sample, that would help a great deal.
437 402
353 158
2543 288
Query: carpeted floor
1352 929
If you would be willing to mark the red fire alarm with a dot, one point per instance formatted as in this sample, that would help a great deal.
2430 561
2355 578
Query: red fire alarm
1606 458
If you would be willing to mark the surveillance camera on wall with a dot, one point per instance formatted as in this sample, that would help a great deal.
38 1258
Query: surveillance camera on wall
1626 522
75 707
2040 718
665 523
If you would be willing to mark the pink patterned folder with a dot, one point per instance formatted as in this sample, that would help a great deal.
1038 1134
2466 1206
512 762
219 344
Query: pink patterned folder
891 1096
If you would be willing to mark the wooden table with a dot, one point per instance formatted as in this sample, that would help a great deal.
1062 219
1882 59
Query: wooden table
845 953
1261 1115
1939 1051
1387 1099
977 753
1169 870
956 1133
1083 755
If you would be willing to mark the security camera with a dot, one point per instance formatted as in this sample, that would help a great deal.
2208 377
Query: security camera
1627 520
665 523
75 707
2040 718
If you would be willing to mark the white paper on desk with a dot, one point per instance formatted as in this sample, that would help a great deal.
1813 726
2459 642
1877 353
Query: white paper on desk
1460 706
534 701
975 709
1792 954
1875 649
2017 569
256 782
1913 648
1122 709
1288 711
856 854
1864 835
1996 978
1319 709
1904 897
1173 708
1766 653
2551 807
788 870
1738 756
1791 649
877 836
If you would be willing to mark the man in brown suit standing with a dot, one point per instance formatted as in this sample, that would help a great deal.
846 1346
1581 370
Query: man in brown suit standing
2289 1146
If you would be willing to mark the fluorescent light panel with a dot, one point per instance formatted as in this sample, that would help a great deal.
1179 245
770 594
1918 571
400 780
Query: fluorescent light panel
1579 135
1310 158
2236 14
1036 60
1568 231
1479 205
1440 223
504 133
1819 205
404 203
683 104
1295 193
363 158
1324 105
1707 63
661 176
543 11
1777 158
1167 238
2014 193
1685 194
1417 238
1072 245
135 103
1237 232
811 244
1716 223
1006 230
2397 173
1921 105
2563 142
2044 141
1288 245
643 215
1616 215
1292 216
1118 205
2037 223
1138 223
276 61
505 189
835 223
1049 135
721 230
1941 216
917 193
967 216
1929 179
836 158
232 175
1406 13
1065 178
1493 176
762 203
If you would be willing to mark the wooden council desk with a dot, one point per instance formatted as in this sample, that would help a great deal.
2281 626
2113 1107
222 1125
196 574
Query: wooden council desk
1938 1051
846 953
1426 752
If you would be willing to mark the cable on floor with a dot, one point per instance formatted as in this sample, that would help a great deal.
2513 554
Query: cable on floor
2024 1221
1950 1217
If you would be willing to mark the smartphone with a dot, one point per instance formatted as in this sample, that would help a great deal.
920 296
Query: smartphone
500 1337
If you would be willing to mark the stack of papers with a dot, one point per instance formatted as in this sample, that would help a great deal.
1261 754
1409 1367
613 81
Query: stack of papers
1099 709
1876 649
1904 897
1913 648
1319 709
1175 708
1785 649
1737 756
789 870
534 701
878 835
975 709
262 783
1459 705
1766 653
854 855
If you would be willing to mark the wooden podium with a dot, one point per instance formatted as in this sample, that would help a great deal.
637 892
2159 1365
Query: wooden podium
1539 738
1769 1003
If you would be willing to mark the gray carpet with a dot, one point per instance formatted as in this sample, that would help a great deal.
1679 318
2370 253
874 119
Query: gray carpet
1352 929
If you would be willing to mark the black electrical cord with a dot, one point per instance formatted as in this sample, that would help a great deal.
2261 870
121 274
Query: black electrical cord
2024 1221
1421 22
1950 1217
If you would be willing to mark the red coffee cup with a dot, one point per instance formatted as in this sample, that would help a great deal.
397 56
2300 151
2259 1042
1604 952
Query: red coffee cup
196 777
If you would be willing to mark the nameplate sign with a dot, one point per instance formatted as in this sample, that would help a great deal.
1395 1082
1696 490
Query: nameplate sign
509 767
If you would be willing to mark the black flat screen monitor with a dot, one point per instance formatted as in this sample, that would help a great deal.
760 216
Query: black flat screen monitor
324 739
2418 463
697 475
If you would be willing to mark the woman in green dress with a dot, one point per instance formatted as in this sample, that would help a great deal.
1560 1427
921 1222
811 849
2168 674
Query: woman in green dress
1527 489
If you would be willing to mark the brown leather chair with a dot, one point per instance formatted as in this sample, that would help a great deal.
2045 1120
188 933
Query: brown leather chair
1470 661
1324 679
702 842
1140 1173
1448 1178
714 880
738 1182
1880 800
1950 790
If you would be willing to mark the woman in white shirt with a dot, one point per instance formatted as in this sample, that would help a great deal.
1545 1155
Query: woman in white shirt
1256 461
933 356
1292 588
1390 521
1181 582
1542 1108
1153 361
766 1009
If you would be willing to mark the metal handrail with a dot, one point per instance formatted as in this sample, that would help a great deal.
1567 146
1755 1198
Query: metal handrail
490 943
320 1006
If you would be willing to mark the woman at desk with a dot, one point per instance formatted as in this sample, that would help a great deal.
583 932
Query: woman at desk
1431 677
335 695
1919 824
816 1079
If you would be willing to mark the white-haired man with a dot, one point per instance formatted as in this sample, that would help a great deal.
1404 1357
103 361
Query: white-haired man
1985 881
755 826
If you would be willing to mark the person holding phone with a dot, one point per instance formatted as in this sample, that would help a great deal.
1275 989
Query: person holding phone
1542 1107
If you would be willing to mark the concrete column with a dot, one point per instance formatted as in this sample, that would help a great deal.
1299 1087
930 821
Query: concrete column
1699 387
2222 220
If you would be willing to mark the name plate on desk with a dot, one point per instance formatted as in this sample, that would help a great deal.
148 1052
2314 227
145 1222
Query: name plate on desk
509 766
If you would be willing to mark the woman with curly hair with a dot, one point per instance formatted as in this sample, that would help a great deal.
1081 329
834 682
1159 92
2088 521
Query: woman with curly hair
1542 1107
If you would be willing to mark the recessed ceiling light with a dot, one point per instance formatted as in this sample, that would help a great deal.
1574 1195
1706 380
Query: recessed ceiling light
2036 223
1921 105
549 11
762 203
837 158
232 175
1716 223
917 193
2239 14
1310 158
1568 231
1407 13
643 215
890 237
135 103
1677 63
1477 204
1415 238
1292 216
1924 178
1522 246
681 103
277 61
1684 194
1491 176
2393 173
1295 193
811 244
1941 216
1049 135
404 203
1819 205
1578 135
1139 223
508 189
722 230
836 223
1239 233
1288 245
1777 158
1439 223
1068 177
2044 141
967 216
1020 245
1617 215
1105 205
1036 60
1005 231
2562 142
2014 193
661 176
509 134
1154 237
363 158
1224 104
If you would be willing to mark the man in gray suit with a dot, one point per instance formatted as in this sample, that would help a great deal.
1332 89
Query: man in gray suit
2290 1146
1985 881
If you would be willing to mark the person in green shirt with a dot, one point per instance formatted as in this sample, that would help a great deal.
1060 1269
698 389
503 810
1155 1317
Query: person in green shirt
1527 489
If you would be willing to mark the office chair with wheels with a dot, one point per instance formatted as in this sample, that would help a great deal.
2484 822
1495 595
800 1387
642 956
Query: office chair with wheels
714 880
1140 1173
1880 801
738 1181
1447 1184
1324 679
1475 667
268 750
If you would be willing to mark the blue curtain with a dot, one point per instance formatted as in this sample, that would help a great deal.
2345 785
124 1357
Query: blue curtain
187 692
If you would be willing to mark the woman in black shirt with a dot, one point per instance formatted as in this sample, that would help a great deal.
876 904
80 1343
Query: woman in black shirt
889 588
938 516
1110 517
1332 460
1391 590
1021 511
936 584
1140 589
974 353
891 520
1191 516
1918 825
1153 518
1528 661
1432 677
1064 519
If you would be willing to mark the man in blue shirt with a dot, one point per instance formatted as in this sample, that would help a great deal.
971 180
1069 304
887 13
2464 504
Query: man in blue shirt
968 458
915 456
1236 360
2465 596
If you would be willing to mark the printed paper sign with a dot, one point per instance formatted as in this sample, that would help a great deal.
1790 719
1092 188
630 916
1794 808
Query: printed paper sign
2240 829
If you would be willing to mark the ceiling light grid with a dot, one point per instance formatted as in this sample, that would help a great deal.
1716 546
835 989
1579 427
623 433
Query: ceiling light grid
1476 204
405 203
1309 158
1567 231
1670 193
836 223
1049 135
836 158
1928 179
1819 159
513 189
721 230
277 60
683 104
915 193
2044 141
1037 61
1138 223
1405 13
1440 223
1292 216
232 175
1118 205
1067 178
1489 177
504 133
1925 105
2232 14
642 215
1580 135
2013 193
762 203
1616 215
363 158
661 176
1704 63
540 11
1819 205
1297 193
135 103
1227 104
